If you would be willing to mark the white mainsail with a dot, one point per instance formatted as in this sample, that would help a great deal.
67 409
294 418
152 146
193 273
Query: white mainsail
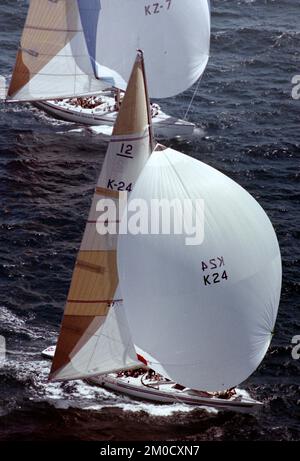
94 336
79 47
53 59
202 315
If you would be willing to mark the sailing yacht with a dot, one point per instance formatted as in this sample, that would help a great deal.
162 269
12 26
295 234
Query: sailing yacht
80 48
103 112
212 308
123 283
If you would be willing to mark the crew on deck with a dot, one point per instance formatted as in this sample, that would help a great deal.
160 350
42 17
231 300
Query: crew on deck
90 102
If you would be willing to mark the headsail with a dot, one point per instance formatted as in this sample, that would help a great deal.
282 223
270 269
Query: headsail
86 345
212 307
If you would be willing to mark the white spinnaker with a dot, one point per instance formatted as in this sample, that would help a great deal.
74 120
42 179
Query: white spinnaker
173 34
202 315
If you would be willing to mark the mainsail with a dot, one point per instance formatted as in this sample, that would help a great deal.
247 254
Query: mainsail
55 57
94 335
212 307
79 47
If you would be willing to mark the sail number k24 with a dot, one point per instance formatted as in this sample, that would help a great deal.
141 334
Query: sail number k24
157 7
217 272
119 185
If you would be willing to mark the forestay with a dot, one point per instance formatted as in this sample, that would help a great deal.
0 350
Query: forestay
202 315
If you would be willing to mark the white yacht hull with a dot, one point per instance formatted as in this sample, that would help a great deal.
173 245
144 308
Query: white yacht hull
164 125
165 392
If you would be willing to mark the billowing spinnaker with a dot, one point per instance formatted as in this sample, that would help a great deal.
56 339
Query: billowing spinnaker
53 60
173 34
94 336
202 315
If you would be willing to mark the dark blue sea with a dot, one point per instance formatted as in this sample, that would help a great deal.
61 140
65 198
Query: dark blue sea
47 175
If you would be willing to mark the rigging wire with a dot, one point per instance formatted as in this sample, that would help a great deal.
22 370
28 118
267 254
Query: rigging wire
192 99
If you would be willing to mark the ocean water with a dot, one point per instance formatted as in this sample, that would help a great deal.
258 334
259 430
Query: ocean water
47 174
